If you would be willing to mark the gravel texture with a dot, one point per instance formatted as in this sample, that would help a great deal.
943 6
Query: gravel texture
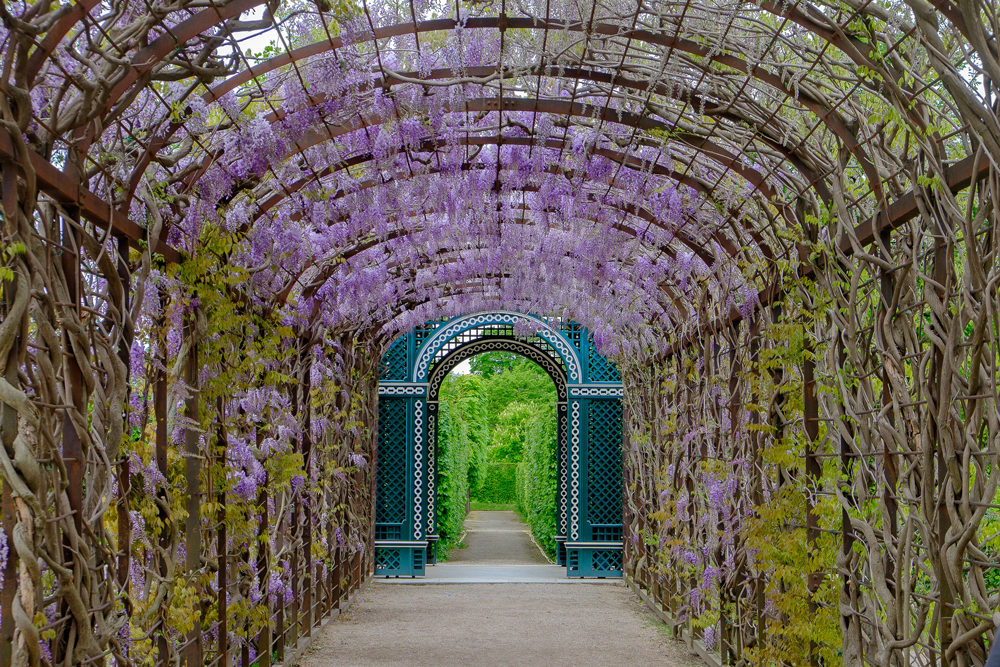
496 625
497 538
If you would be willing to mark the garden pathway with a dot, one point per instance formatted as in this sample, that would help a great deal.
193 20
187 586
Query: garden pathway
570 623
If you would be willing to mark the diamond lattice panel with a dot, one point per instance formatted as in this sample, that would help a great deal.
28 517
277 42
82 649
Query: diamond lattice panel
604 474
390 503
606 560
394 365
601 370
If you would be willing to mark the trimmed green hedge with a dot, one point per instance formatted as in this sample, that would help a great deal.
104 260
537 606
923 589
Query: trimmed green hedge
498 484
536 482
454 454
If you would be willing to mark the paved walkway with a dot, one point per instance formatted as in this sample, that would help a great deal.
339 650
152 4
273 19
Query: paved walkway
572 623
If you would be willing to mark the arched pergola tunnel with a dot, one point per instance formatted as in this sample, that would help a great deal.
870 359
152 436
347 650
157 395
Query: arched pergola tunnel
778 219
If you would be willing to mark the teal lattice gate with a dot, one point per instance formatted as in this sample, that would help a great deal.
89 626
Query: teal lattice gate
589 418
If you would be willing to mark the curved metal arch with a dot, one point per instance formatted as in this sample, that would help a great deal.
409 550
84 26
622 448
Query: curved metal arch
826 115
556 72
480 287
725 160
629 210
497 344
674 299
725 243
437 340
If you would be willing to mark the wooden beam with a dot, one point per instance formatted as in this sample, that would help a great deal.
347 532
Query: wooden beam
65 189
958 177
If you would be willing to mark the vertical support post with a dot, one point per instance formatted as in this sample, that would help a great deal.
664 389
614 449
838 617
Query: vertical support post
72 447
8 431
9 571
223 558
852 630
263 564
124 480
727 633
222 546
160 412
813 470
890 474
307 569
279 644
337 579
935 446
192 525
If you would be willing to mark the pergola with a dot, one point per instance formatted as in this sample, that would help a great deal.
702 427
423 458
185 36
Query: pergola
779 220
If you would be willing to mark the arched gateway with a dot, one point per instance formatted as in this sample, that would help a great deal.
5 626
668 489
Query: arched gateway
589 418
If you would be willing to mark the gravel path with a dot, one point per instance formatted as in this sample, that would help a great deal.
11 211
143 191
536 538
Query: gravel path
497 538
497 625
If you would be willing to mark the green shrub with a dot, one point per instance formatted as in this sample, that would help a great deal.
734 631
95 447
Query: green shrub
454 454
498 486
536 481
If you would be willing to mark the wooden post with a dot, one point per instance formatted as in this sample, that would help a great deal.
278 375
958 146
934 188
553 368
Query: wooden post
852 630
222 546
10 569
72 447
307 569
160 412
934 447
263 564
890 474
813 470
124 479
192 525
222 555
8 432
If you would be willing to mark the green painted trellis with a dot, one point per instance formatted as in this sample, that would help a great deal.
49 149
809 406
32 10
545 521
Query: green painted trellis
589 420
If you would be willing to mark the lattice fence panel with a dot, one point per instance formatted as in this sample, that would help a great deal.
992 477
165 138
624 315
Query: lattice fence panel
601 370
608 560
390 503
572 331
387 559
604 470
424 331
394 366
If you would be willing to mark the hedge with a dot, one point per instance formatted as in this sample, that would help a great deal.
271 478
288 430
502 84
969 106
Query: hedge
536 482
454 453
498 484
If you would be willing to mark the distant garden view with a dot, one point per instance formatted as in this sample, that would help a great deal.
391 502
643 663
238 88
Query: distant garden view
497 446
